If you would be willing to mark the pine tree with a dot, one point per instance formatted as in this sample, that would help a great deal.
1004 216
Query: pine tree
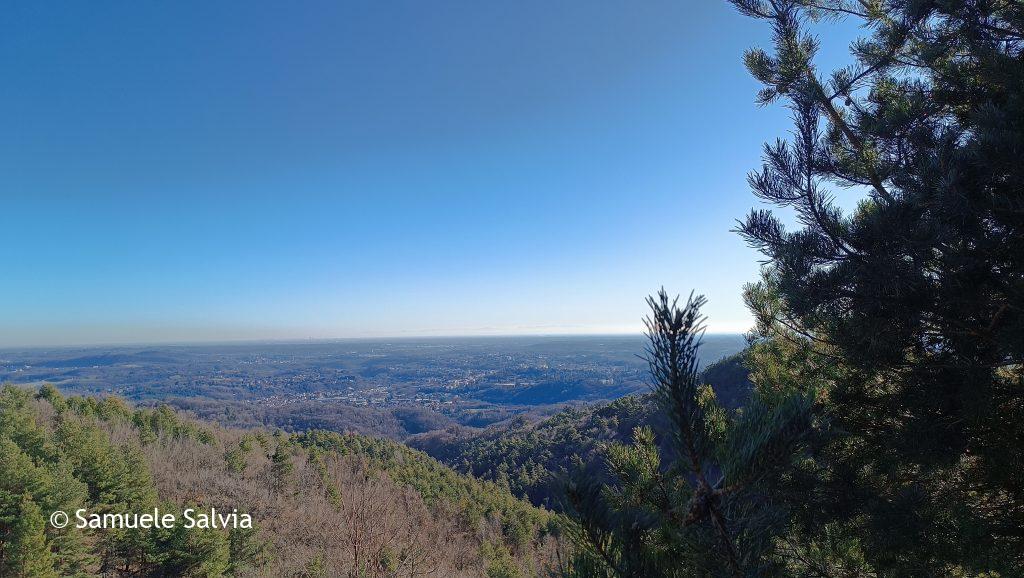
704 509
281 467
132 490
25 551
245 550
914 303
51 394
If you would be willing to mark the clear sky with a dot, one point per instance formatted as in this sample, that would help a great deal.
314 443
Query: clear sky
211 170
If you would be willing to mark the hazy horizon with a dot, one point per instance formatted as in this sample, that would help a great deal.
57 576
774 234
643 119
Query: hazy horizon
457 168
326 340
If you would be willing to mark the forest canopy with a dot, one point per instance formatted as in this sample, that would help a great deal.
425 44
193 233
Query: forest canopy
322 503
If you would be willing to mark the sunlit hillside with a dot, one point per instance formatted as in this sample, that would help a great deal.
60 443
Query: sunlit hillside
322 504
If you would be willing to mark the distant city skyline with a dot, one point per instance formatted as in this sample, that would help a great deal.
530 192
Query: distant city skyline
195 172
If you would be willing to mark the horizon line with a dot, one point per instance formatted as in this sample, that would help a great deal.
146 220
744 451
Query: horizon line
311 340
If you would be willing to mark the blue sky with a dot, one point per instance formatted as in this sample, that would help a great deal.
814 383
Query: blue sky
179 171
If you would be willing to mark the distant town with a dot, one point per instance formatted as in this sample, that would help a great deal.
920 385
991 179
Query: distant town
392 387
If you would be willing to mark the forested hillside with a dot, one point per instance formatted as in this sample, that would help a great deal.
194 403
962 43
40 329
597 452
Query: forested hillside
322 503
531 459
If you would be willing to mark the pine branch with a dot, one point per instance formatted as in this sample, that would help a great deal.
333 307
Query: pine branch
674 336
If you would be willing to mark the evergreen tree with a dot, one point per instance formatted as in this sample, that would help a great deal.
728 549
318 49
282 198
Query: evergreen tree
52 395
33 469
235 460
706 508
180 551
25 551
281 467
909 312
245 550
133 491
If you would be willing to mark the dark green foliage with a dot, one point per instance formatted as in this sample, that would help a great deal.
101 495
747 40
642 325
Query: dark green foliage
703 508
52 395
246 551
903 322
164 421
498 562
532 459
151 422
333 492
235 460
909 312
183 552
729 378
25 554
73 463
281 466
527 457
34 481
